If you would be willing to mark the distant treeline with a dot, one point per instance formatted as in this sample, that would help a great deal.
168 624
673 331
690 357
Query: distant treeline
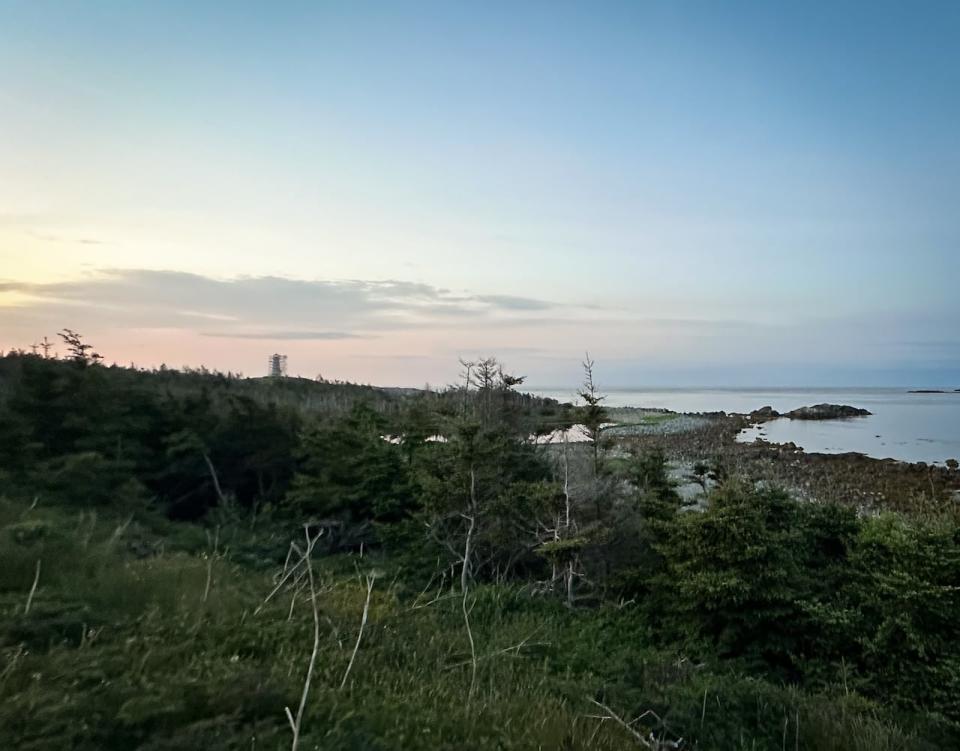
187 441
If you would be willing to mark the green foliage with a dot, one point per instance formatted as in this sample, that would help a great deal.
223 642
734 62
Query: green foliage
560 550
733 574
350 472
100 436
906 594
635 538
501 483
657 493
810 592
592 414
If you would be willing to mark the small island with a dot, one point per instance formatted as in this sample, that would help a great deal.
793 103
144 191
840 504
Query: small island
827 412
816 412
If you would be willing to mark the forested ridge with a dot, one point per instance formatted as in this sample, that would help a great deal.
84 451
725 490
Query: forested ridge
196 560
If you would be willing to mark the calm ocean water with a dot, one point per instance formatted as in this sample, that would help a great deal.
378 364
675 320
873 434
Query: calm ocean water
905 426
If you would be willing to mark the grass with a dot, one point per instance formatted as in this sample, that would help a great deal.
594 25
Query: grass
120 651
624 416
626 421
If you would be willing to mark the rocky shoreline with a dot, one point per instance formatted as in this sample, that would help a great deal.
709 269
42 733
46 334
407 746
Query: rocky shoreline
853 479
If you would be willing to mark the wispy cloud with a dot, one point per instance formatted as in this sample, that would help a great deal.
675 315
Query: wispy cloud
266 307
510 302
48 229
287 335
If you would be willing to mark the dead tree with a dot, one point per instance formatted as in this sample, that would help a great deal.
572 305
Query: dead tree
561 542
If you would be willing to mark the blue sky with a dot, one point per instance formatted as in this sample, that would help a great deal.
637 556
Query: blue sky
698 193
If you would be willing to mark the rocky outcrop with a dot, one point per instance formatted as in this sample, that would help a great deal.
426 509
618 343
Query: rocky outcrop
764 413
826 412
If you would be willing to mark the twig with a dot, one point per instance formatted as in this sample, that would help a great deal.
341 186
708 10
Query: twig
33 589
623 723
298 584
363 622
651 742
514 648
279 585
465 571
216 479
117 533
210 559
438 597
12 664
295 724
566 495
289 572
416 600
335 632
286 561
434 601
464 579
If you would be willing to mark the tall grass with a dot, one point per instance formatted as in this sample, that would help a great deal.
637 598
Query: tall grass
120 651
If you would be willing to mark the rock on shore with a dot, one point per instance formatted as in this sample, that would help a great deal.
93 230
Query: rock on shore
816 412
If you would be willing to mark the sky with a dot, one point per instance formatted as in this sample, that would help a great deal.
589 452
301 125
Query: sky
697 193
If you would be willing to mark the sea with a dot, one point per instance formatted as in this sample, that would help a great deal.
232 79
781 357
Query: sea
911 427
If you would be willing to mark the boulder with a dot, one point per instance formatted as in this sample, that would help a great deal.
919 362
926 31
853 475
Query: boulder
764 413
826 412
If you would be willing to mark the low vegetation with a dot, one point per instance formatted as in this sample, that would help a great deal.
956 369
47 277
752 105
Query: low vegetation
187 564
